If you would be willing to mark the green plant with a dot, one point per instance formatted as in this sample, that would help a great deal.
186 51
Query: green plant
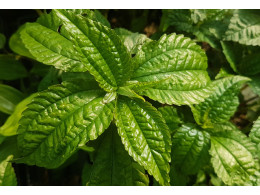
107 104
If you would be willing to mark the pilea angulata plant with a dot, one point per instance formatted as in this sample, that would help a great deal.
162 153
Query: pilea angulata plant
106 105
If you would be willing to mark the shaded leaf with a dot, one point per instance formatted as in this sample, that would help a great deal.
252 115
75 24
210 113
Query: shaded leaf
112 166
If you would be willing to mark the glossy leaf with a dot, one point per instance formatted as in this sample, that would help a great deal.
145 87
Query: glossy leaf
7 174
190 149
9 98
59 119
11 68
97 47
178 65
145 136
16 44
244 28
131 40
221 104
11 125
233 157
112 166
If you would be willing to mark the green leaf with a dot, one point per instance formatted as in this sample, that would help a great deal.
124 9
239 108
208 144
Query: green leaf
145 136
49 47
11 125
2 41
242 59
224 126
16 44
171 117
190 149
255 135
127 91
7 174
11 68
112 166
244 28
79 44
255 84
59 120
232 157
131 40
221 104
9 97
178 65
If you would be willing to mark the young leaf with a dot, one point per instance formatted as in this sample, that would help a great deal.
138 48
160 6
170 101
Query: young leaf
112 166
244 28
232 157
145 136
190 149
221 104
178 65
11 125
9 97
11 68
7 174
61 118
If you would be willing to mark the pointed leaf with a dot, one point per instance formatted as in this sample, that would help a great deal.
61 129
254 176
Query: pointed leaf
59 119
179 64
232 157
145 136
221 104
113 166
11 124
7 174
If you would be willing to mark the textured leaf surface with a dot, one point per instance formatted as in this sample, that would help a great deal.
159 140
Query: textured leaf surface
59 119
178 65
171 117
102 51
221 104
244 27
9 98
11 125
189 149
255 135
131 40
10 68
232 157
112 166
145 136
7 174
